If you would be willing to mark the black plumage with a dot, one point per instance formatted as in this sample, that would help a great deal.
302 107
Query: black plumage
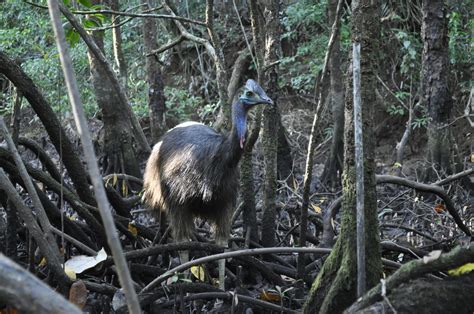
192 172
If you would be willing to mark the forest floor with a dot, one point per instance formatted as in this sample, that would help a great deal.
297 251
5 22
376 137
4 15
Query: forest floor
398 207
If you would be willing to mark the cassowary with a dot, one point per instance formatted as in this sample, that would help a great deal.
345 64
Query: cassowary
192 172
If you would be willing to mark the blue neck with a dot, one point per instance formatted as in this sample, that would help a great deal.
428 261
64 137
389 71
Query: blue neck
239 120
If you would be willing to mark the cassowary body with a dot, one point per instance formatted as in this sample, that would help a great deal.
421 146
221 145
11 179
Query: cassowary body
192 172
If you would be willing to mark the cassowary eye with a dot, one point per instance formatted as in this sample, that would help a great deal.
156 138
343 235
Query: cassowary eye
249 94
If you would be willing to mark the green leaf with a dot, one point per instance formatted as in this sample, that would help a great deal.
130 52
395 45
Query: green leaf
86 3
90 23
72 37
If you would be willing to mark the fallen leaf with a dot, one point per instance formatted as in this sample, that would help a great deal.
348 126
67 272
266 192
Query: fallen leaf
198 272
270 296
439 208
78 294
70 272
82 262
461 270
43 262
317 209
434 255
132 229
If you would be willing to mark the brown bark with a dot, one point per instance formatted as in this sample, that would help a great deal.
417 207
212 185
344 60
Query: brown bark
436 96
335 287
156 94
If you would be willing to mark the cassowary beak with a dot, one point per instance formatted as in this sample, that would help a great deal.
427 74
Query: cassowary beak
267 100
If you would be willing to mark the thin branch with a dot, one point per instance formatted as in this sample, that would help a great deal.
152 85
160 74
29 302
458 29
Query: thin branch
43 218
230 296
166 46
33 227
226 255
104 206
312 141
428 188
455 177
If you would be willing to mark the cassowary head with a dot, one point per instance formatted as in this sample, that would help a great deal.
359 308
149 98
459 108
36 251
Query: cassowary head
253 95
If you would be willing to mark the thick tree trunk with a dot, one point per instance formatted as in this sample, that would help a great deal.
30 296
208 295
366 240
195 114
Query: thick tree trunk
119 155
156 93
333 166
335 287
436 96
270 123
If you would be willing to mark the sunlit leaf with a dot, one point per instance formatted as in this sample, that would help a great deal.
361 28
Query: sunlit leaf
461 270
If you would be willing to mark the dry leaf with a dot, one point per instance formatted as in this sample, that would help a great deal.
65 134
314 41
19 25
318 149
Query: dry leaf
70 272
270 296
82 262
317 209
439 208
434 255
78 294
132 229
198 272
43 262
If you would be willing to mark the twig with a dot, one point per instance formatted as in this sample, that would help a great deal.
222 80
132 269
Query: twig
166 46
455 177
104 206
230 296
77 243
43 218
226 255
312 141
428 188
46 248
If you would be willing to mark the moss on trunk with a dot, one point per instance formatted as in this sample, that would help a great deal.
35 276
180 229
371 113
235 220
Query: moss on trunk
335 287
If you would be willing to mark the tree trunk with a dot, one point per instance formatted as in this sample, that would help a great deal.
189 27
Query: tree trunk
156 93
119 155
270 123
436 96
335 287
333 166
